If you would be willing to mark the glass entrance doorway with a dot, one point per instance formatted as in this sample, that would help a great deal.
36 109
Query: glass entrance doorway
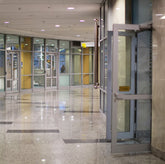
129 88
51 79
12 69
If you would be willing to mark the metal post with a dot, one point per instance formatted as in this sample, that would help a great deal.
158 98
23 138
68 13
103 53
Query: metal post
96 54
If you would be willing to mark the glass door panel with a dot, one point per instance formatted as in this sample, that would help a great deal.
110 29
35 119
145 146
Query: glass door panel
15 71
2 70
126 55
12 71
123 93
48 66
39 68
51 70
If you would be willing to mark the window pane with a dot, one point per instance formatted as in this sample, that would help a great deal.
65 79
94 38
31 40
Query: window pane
48 82
76 50
12 42
54 82
2 82
102 22
2 63
64 80
38 44
39 81
76 63
26 43
2 45
64 63
88 51
76 79
64 47
51 46
38 63
53 65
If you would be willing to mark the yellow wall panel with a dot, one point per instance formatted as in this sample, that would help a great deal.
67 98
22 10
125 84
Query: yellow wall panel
85 69
26 64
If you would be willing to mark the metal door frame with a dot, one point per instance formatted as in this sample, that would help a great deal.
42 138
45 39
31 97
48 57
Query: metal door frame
122 135
115 96
18 73
51 76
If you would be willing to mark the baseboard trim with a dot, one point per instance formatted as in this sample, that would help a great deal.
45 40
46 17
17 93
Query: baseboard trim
158 153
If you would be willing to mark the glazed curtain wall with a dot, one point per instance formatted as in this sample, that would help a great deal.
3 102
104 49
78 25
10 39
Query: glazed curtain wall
27 63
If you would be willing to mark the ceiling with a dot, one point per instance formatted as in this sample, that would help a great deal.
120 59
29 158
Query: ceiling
29 17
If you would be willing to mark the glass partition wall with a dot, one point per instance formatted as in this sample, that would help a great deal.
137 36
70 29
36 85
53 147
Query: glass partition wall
125 79
38 63
103 56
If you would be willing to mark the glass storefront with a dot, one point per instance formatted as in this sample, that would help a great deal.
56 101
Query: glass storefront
31 63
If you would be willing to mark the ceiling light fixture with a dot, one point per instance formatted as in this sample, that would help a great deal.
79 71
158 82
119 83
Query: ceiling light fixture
6 22
57 25
163 17
117 8
70 8
159 15
82 20
78 35
43 160
43 30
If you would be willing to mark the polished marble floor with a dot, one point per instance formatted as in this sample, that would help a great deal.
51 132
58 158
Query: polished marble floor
57 127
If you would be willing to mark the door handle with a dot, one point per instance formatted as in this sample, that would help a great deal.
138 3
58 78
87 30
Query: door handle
117 97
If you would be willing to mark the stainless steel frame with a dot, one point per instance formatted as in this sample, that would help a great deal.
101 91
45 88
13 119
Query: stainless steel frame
18 71
112 94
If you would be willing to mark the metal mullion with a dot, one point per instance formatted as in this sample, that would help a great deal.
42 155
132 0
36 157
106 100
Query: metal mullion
132 97
5 88
82 67
115 87
51 70
32 64
12 71
19 65
109 86
70 62
45 85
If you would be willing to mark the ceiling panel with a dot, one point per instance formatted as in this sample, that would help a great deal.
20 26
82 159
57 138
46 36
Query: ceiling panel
31 16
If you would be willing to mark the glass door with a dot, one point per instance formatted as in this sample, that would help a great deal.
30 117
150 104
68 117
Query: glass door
12 69
51 71
2 71
128 117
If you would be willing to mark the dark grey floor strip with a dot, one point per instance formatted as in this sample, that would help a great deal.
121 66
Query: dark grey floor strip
70 141
30 103
34 131
81 111
5 122
58 107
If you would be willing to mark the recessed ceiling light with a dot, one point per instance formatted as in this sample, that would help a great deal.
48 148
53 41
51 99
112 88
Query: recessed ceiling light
6 22
82 20
43 160
43 30
57 25
159 15
78 35
70 8
117 8
163 17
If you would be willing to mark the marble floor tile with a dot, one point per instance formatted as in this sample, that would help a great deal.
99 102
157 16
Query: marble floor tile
75 113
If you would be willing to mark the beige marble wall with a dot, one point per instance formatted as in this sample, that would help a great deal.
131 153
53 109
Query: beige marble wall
158 105
116 13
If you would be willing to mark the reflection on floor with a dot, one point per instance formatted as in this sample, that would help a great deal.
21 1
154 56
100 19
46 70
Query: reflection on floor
57 127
